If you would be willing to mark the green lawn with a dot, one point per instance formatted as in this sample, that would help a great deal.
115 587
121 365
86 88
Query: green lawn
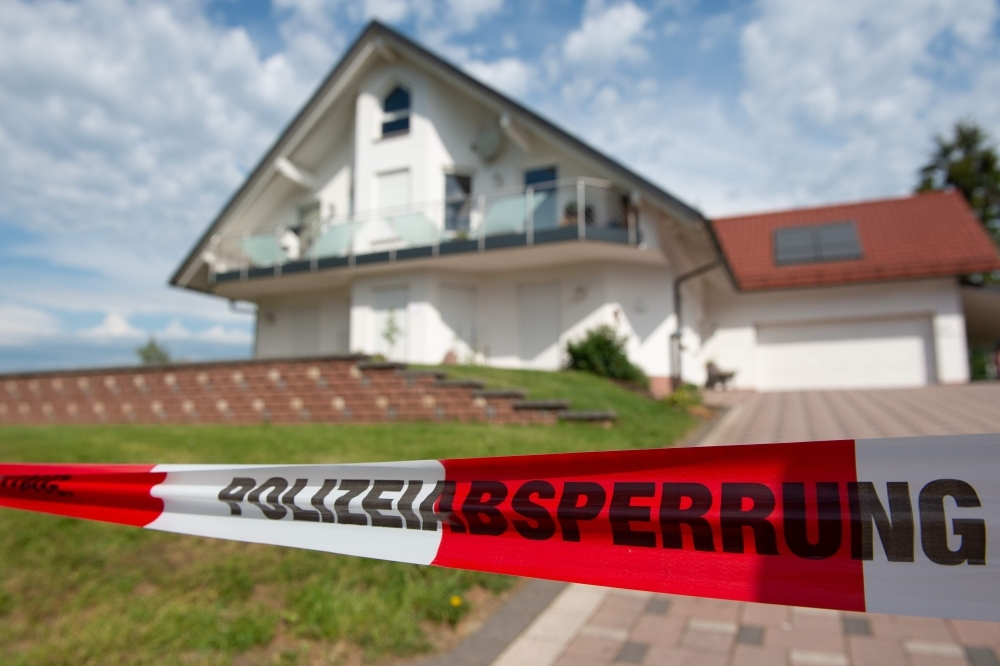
75 592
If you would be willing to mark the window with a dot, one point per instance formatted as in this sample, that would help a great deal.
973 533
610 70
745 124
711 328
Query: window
396 108
457 202
543 182
824 242
309 223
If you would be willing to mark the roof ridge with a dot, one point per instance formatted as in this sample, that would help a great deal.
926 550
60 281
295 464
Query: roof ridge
850 204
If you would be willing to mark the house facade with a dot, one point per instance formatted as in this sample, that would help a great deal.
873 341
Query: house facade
411 211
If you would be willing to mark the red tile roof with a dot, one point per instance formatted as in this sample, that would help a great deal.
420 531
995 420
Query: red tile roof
934 234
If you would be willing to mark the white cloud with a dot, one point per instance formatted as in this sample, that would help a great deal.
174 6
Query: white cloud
133 117
114 327
511 75
608 36
848 94
389 11
175 330
21 326
225 335
467 14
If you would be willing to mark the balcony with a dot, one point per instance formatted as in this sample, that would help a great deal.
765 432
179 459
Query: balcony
544 213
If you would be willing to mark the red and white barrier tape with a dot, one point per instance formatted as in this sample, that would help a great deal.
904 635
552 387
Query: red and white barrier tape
886 526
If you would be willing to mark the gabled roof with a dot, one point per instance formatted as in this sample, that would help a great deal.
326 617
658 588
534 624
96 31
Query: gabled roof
925 235
377 36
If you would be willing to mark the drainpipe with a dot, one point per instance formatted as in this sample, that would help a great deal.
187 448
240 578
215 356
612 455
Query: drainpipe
675 337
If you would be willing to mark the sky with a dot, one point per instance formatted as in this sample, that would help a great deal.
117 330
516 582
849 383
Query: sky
125 126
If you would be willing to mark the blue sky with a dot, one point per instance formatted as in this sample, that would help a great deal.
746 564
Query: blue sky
124 126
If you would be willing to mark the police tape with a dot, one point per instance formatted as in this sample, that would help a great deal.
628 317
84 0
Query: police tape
886 526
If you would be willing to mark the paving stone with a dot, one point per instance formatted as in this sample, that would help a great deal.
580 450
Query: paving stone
619 611
748 655
748 635
609 633
903 628
977 633
699 624
856 626
632 653
593 648
981 656
707 642
713 609
805 640
867 651
931 660
660 656
658 630
817 658
581 660
767 615
933 648
658 606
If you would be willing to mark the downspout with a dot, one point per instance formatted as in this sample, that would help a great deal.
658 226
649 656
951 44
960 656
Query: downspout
675 337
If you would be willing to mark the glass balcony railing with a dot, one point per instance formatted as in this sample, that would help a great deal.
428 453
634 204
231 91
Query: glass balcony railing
544 213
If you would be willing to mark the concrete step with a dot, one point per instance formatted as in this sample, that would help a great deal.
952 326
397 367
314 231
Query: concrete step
545 405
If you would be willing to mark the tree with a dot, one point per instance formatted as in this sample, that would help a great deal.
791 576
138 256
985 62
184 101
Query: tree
969 163
153 353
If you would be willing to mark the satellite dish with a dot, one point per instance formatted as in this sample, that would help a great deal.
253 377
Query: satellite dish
489 143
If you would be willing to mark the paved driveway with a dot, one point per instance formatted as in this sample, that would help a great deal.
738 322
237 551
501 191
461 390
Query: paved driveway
589 626
813 415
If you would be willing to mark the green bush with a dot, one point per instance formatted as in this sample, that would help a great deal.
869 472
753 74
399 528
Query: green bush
602 352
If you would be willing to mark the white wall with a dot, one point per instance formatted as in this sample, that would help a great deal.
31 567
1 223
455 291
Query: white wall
731 321
306 325
635 301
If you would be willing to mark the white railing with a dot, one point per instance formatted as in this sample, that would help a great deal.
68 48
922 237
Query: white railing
543 212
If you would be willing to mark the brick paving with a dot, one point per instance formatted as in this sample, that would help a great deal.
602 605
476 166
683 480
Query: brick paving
590 626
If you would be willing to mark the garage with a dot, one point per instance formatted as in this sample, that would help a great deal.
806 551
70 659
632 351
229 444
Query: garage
873 353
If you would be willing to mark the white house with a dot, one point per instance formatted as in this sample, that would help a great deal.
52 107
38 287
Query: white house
410 210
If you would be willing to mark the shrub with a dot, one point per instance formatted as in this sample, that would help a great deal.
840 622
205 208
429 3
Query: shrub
687 395
602 352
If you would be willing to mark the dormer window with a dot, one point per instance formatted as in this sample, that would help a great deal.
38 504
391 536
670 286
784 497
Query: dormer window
396 112
836 241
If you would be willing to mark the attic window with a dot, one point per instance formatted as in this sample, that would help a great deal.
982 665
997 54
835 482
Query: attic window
396 112
822 242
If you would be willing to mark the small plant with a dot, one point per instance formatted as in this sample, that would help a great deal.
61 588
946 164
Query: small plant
392 332
602 352
685 396
153 353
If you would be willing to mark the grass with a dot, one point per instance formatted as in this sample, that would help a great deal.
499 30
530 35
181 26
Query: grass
76 592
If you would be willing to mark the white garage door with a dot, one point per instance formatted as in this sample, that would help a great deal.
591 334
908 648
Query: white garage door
878 353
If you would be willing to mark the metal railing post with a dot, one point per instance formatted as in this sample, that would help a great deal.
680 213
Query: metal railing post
213 248
581 210
244 257
482 223
529 205
350 249
277 249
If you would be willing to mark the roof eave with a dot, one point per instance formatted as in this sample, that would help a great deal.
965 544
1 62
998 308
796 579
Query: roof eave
662 199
